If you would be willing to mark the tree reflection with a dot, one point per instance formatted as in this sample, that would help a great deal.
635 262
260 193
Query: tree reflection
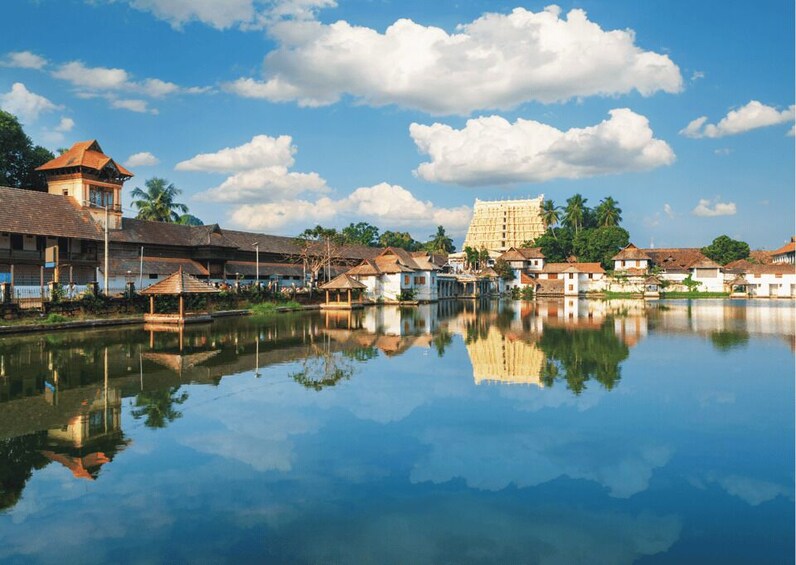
19 456
158 406
323 369
726 340
578 355
441 341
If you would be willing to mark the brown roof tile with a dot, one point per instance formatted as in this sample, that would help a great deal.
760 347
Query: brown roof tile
180 283
631 252
84 154
343 282
675 257
40 213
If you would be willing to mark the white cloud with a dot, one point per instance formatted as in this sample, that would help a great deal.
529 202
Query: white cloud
65 125
389 206
490 150
696 75
752 116
93 78
24 60
261 151
667 209
261 172
219 15
704 209
245 14
133 104
142 159
25 104
496 61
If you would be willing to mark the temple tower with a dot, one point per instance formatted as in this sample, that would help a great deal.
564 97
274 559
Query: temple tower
91 178
498 225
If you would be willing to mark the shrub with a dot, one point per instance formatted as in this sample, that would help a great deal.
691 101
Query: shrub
55 319
263 309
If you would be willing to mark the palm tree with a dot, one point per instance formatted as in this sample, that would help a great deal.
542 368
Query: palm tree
470 257
575 212
157 202
440 242
608 212
551 215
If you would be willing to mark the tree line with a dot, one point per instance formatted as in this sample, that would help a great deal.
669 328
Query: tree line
363 233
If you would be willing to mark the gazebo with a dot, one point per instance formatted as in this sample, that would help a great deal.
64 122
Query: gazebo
739 287
652 287
179 284
343 285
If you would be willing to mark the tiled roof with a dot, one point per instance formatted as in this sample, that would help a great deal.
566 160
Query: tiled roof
39 213
630 252
573 267
789 247
343 282
676 257
522 254
705 264
158 265
366 268
770 269
180 283
84 154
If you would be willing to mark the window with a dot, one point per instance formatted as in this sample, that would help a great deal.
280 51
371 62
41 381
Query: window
591 276
16 241
623 262
420 280
153 276
406 280
571 276
100 197
570 287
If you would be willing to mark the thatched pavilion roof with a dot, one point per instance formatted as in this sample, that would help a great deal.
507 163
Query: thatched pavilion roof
343 282
180 283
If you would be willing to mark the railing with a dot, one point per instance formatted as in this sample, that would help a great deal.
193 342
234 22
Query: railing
21 255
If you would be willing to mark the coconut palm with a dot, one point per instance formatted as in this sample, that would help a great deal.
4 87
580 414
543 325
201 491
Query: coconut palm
608 212
440 242
157 202
551 214
575 212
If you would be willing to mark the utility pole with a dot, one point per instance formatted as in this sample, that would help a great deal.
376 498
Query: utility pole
256 245
106 252
141 270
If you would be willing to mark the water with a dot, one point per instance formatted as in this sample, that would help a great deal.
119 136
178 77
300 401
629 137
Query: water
550 432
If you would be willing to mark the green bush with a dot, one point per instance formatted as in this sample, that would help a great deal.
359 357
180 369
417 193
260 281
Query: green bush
263 309
293 305
55 319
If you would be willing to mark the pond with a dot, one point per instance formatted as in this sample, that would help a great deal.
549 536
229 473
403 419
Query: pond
497 432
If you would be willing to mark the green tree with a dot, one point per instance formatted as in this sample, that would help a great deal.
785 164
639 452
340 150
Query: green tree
361 233
483 258
599 245
608 212
190 220
551 214
158 406
19 157
575 212
504 270
399 239
470 257
157 203
725 250
440 242
556 245
320 233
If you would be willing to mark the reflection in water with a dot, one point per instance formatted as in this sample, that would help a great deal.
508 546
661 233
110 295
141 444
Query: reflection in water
65 399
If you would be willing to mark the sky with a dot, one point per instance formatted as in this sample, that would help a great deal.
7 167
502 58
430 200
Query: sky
277 115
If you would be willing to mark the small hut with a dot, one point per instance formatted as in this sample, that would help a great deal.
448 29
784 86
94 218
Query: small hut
739 287
343 285
652 287
179 284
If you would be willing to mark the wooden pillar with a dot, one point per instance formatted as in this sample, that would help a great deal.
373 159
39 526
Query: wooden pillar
182 307
327 297
349 296
151 303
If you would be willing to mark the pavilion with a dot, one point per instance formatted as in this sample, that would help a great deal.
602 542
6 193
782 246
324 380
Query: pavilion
179 284
343 285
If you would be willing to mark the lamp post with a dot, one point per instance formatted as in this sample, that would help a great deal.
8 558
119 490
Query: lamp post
256 245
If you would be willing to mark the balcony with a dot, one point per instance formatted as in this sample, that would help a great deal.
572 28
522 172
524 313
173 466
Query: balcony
20 256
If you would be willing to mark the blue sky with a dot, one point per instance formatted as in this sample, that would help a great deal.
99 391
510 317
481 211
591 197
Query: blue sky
279 115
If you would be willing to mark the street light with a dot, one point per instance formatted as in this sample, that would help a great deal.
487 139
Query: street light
256 245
